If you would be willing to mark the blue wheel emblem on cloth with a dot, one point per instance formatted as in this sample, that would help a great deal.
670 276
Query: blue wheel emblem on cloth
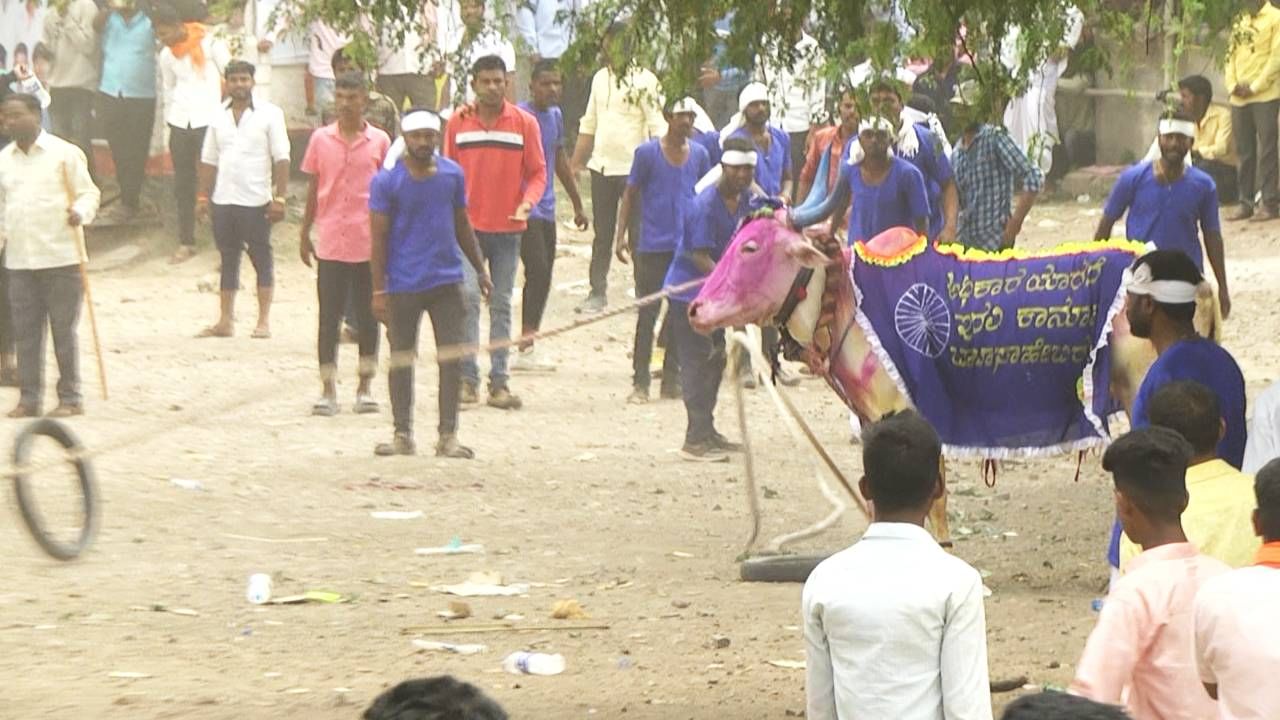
923 320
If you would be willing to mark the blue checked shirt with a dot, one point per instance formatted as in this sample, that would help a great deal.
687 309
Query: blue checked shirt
985 173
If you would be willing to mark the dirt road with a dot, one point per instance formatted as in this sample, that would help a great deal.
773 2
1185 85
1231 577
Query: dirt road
579 494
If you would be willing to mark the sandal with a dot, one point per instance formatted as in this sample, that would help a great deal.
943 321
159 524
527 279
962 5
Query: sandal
260 333
365 405
325 407
449 447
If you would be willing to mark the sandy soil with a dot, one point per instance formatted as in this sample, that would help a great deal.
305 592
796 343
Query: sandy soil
578 494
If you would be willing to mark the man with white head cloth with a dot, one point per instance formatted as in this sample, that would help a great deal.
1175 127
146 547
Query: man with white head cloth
1162 287
773 146
713 217
1166 199
420 232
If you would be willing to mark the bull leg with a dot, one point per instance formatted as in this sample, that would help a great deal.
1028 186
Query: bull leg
938 513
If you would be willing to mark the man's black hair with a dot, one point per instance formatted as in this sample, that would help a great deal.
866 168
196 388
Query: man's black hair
164 14
923 103
545 65
1199 86
31 101
351 81
1190 409
1150 469
886 84
239 67
901 457
1266 485
436 698
1173 265
488 62
1051 705
1178 114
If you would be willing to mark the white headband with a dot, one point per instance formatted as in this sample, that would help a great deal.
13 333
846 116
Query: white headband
420 120
753 92
875 123
1172 292
1169 126
739 157
685 105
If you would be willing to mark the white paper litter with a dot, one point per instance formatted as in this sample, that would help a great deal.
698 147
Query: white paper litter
473 589
463 649
451 550
787 664
396 514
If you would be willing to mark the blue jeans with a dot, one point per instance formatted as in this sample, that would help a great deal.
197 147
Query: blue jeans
502 250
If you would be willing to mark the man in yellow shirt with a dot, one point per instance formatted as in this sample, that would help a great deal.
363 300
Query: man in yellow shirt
1218 518
1252 72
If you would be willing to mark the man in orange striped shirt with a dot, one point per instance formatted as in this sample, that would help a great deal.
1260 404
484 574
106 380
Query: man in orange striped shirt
499 147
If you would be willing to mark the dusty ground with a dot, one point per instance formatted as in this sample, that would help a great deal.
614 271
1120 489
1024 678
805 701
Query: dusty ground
579 494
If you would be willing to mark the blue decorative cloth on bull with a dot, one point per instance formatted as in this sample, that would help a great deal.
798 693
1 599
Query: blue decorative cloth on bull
1006 354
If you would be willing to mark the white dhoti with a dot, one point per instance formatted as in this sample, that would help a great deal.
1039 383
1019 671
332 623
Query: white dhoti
1032 118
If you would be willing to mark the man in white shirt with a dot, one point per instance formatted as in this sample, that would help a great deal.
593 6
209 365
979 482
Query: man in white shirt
245 156
799 96
48 196
73 79
1237 638
401 63
894 627
465 29
1263 444
191 62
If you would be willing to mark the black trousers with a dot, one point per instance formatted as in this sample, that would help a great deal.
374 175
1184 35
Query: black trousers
337 284
128 123
1255 128
236 230
651 272
1225 176
47 299
538 254
702 360
444 305
6 313
184 149
798 140
71 110
606 193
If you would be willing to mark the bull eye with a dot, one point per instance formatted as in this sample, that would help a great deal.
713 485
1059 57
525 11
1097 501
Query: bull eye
749 247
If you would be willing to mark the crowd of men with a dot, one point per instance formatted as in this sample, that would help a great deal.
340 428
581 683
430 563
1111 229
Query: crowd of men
415 205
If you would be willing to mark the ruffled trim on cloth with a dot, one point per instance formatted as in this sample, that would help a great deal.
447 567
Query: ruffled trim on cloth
1021 453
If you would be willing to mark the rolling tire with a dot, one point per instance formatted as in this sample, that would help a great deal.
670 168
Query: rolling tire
780 568
27 502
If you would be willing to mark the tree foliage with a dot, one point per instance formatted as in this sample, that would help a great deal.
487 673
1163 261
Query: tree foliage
678 38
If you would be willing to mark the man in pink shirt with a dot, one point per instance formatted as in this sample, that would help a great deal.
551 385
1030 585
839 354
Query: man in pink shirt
1237 638
342 159
1142 643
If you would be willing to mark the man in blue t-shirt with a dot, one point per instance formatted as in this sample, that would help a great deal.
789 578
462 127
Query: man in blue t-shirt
663 173
712 220
1161 307
418 215
919 146
772 144
1166 199
885 191
538 243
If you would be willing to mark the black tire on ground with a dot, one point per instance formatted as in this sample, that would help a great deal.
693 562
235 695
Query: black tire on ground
26 494
780 568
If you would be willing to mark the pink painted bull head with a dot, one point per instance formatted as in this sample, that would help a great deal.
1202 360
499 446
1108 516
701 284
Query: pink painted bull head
752 279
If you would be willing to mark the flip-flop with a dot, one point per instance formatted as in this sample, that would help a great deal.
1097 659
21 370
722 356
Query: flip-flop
365 405
260 334
325 407
212 331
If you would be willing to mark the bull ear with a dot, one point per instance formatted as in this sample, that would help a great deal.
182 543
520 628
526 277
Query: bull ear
807 255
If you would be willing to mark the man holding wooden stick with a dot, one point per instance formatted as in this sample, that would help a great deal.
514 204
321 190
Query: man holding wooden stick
49 197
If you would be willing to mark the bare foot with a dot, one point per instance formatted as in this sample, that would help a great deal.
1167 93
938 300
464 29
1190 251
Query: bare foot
182 254
262 332
221 330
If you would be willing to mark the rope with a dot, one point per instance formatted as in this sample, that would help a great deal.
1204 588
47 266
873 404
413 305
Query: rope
268 392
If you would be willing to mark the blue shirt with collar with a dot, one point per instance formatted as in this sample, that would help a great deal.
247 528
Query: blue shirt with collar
129 57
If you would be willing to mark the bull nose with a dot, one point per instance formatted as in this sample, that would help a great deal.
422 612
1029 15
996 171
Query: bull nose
693 309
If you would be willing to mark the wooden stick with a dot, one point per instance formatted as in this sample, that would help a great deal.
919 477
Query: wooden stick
477 629
82 249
